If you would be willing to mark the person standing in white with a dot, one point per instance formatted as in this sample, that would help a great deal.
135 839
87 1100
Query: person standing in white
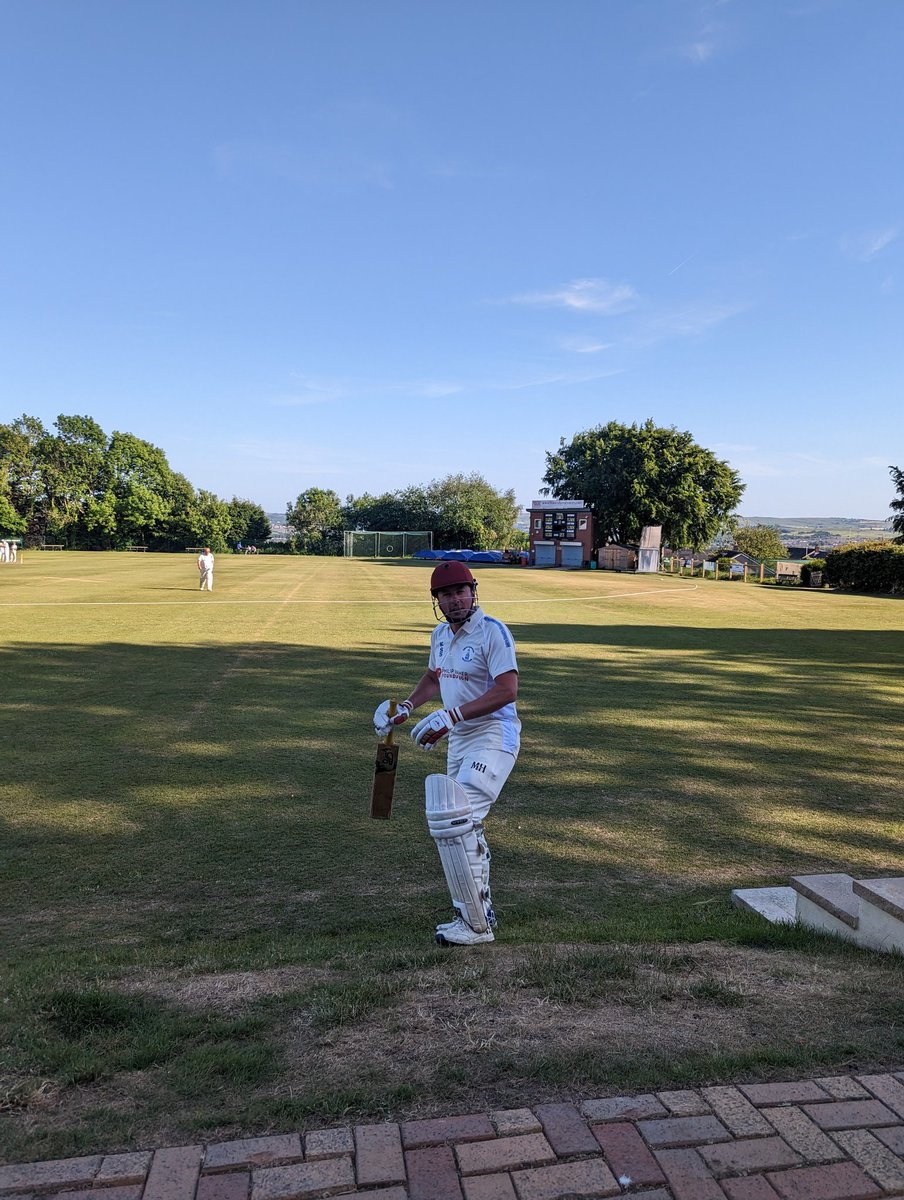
473 668
12 552
4 550
205 566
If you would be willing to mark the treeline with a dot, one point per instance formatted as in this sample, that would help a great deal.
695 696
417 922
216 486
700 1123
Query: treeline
461 511
77 487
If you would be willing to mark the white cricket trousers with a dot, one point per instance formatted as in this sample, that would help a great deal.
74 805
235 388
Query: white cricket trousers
477 762
206 581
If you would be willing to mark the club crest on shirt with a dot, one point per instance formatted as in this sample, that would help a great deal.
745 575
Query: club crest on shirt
467 654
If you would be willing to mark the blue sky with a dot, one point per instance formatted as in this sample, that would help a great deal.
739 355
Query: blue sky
361 244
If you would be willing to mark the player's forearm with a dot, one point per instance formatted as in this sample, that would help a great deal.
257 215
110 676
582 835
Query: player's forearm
504 691
425 689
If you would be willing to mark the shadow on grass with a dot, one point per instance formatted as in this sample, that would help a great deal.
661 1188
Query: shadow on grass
202 791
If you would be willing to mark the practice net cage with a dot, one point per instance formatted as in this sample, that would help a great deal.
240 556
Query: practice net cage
386 543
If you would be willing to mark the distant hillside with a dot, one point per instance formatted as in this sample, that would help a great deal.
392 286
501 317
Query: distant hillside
825 531
865 523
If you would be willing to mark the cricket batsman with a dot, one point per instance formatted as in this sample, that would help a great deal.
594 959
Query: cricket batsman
473 669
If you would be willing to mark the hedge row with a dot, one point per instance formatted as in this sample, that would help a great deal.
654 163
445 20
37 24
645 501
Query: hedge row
867 567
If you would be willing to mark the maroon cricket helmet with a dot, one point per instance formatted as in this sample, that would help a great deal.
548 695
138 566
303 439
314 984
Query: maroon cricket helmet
450 574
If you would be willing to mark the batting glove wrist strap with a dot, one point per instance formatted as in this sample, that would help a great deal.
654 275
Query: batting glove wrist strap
435 727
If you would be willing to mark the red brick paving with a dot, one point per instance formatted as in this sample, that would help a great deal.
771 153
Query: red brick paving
432 1174
832 1138
841 1181
234 1186
627 1154
565 1130
450 1129
688 1175
750 1187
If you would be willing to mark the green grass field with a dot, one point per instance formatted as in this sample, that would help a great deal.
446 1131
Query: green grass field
205 934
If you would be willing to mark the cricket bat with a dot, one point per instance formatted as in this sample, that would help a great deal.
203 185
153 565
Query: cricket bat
384 774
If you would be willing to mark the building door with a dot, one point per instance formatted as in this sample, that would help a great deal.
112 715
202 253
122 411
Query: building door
572 555
545 554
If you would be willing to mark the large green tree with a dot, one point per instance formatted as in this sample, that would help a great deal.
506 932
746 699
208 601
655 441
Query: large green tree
897 505
402 510
76 486
461 510
73 468
317 516
250 524
469 512
637 475
213 521
22 442
759 541
135 504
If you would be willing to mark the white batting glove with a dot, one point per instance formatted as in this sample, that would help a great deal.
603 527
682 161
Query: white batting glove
383 722
435 727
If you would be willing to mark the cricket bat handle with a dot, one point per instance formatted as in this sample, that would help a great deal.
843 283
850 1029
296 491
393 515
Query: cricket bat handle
393 709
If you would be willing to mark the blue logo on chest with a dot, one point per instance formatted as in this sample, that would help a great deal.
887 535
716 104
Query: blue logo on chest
467 654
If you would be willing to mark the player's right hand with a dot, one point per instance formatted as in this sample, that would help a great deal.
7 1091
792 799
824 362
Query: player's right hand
383 722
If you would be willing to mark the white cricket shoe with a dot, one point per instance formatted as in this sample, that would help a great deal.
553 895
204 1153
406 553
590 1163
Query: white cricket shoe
457 920
459 933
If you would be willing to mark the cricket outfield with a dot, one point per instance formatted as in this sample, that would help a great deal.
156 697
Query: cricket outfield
206 934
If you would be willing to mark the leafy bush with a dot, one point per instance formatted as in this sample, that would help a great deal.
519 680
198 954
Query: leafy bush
813 564
867 567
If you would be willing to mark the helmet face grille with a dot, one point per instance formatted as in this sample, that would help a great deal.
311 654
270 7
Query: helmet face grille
450 574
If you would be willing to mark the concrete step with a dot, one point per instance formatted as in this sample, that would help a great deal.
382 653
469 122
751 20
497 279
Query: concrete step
869 912
827 902
777 904
881 924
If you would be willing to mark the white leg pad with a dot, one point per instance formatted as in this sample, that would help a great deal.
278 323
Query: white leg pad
463 857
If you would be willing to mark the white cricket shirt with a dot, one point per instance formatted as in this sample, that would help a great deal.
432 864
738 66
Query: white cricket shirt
468 663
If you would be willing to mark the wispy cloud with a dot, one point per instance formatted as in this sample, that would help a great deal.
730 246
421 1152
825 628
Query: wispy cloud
584 345
700 51
756 462
552 379
710 36
431 389
584 295
690 320
865 246
310 391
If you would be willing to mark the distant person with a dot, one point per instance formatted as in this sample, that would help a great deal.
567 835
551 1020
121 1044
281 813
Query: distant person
12 551
205 567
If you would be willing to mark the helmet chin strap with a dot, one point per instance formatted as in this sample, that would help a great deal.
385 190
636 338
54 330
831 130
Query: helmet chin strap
441 616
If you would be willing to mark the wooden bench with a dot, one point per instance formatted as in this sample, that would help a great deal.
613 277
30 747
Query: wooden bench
137 548
193 549
52 546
